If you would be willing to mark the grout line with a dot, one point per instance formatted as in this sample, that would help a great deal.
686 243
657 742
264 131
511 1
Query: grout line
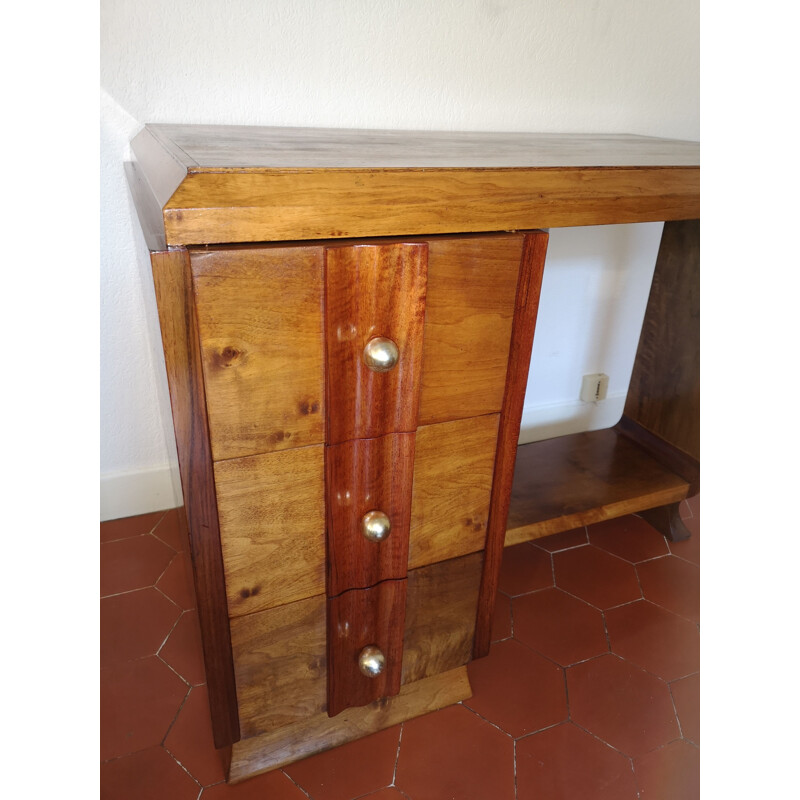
541 730
397 755
167 664
169 633
297 784
145 533
175 718
675 710
516 788
480 716
184 768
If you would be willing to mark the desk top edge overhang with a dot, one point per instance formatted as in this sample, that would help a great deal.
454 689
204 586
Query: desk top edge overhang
231 184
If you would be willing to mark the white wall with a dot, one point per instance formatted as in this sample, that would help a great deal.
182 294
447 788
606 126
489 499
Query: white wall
538 65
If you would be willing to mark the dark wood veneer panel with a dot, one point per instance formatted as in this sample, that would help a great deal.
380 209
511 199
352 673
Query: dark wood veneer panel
173 285
368 475
356 619
373 290
526 308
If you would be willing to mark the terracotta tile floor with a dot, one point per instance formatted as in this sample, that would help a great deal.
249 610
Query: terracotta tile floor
591 691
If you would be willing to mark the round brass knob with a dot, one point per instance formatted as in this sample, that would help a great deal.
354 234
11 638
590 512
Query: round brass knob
381 354
375 526
371 661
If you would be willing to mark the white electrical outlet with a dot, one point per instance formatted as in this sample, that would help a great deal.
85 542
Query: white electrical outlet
594 388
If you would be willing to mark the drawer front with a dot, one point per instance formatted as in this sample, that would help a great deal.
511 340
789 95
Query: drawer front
272 527
259 315
280 654
453 472
469 311
369 510
365 645
374 319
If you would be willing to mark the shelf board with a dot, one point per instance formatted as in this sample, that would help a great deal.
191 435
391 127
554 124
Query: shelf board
575 480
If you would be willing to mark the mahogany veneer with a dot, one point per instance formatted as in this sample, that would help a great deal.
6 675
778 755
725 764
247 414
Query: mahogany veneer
268 292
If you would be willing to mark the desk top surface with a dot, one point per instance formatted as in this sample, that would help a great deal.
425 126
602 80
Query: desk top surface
208 184
202 148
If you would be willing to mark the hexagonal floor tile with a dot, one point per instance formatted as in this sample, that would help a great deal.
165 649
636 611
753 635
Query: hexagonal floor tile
150 773
501 621
688 549
525 569
133 563
567 763
672 583
350 770
134 625
656 639
129 526
516 689
191 741
183 651
562 541
559 626
686 694
628 537
269 786
138 702
454 753
668 773
622 704
596 576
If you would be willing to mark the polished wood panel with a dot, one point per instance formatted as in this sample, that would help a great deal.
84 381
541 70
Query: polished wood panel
280 665
318 732
526 309
664 393
357 619
272 524
173 286
250 206
368 475
440 616
373 290
260 316
452 487
469 310
575 480
226 147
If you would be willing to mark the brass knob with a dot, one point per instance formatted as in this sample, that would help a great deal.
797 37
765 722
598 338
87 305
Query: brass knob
371 661
375 526
381 354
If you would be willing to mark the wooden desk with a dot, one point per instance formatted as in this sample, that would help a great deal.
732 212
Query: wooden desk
347 320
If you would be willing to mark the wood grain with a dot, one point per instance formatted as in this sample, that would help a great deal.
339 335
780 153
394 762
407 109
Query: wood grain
576 480
452 488
280 665
259 312
664 393
526 309
172 279
272 525
440 616
319 732
368 475
226 147
251 206
371 291
357 619
472 282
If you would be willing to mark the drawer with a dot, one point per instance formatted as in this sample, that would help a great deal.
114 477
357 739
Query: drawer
369 510
280 654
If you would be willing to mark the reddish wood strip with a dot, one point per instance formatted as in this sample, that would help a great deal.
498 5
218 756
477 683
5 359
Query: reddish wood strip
357 619
368 475
373 291
526 308
173 285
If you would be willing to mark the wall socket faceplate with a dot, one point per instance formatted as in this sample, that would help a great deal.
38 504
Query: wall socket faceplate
594 388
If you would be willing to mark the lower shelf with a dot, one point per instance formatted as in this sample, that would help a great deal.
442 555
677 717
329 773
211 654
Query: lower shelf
575 480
